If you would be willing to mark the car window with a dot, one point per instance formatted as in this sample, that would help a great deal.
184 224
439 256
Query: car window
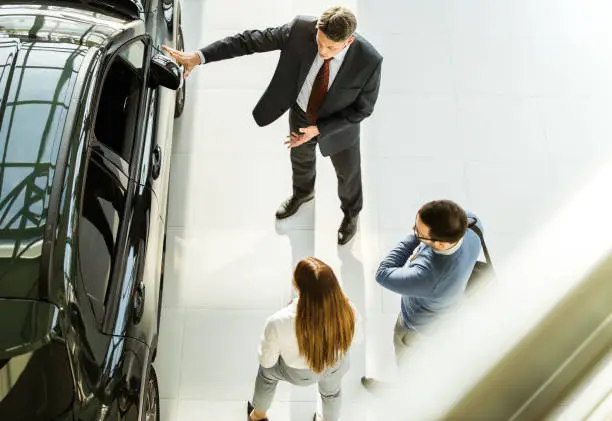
134 54
101 217
118 105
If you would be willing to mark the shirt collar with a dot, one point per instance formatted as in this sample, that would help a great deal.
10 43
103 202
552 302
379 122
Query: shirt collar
451 250
339 57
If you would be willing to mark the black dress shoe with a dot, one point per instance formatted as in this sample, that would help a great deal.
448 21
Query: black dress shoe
291 205
249 410
375 386
347 229
367 381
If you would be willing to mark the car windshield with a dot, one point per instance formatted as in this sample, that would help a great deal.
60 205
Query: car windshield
37 81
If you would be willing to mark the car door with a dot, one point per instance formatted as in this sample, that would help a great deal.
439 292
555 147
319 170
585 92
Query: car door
153 169
120 136
111 233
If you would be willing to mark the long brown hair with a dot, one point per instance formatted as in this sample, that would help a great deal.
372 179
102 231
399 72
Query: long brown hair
325 321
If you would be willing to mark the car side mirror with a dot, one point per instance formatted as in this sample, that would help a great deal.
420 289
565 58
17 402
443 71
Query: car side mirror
165 72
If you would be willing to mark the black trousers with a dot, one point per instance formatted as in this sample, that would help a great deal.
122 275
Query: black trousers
347 164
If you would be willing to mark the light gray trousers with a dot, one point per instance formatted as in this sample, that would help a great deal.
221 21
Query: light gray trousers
402 338
329 382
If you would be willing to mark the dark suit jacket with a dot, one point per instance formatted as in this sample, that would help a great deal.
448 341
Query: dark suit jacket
350 98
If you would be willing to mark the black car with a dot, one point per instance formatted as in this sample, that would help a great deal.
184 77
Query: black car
87 102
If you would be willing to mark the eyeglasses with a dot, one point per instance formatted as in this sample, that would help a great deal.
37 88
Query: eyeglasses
416 234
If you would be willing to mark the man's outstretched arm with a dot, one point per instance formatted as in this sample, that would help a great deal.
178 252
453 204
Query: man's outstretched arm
247 42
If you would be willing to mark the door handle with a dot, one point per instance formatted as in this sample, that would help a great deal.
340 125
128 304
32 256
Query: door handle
156 162
138 303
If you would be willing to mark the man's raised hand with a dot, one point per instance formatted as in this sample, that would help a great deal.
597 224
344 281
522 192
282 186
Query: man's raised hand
188 60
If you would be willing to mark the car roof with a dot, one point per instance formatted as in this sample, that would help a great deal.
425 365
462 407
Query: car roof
41 53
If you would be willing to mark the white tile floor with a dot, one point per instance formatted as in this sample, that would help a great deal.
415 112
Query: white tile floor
502 106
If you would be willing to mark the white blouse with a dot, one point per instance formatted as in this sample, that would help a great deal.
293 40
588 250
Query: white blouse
279 339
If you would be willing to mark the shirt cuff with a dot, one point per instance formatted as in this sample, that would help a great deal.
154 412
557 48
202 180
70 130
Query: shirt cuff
201 57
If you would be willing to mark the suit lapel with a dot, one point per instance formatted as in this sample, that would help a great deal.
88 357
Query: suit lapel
347 63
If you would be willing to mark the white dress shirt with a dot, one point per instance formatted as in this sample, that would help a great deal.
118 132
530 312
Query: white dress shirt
279 338
447 252
451 250
334 67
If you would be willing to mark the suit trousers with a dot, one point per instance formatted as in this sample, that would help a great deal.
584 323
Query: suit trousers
329 382
347 164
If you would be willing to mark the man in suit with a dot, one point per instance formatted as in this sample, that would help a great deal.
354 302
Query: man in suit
328 78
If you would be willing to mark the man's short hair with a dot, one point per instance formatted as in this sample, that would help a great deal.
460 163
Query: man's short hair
447 221
337 23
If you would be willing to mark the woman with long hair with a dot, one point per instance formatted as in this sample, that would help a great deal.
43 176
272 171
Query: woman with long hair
308 341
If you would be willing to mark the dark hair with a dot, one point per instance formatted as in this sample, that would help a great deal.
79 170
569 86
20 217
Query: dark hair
447 221
337 23
325 321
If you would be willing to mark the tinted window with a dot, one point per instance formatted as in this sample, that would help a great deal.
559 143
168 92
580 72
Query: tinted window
117 114
101 217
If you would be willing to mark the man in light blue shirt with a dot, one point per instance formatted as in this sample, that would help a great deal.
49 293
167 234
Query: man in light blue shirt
430 269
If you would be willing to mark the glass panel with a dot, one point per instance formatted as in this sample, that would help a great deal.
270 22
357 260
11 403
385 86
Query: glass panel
36 93
103 205
118 106
134 54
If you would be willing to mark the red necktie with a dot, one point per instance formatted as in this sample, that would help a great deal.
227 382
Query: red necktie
319 89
